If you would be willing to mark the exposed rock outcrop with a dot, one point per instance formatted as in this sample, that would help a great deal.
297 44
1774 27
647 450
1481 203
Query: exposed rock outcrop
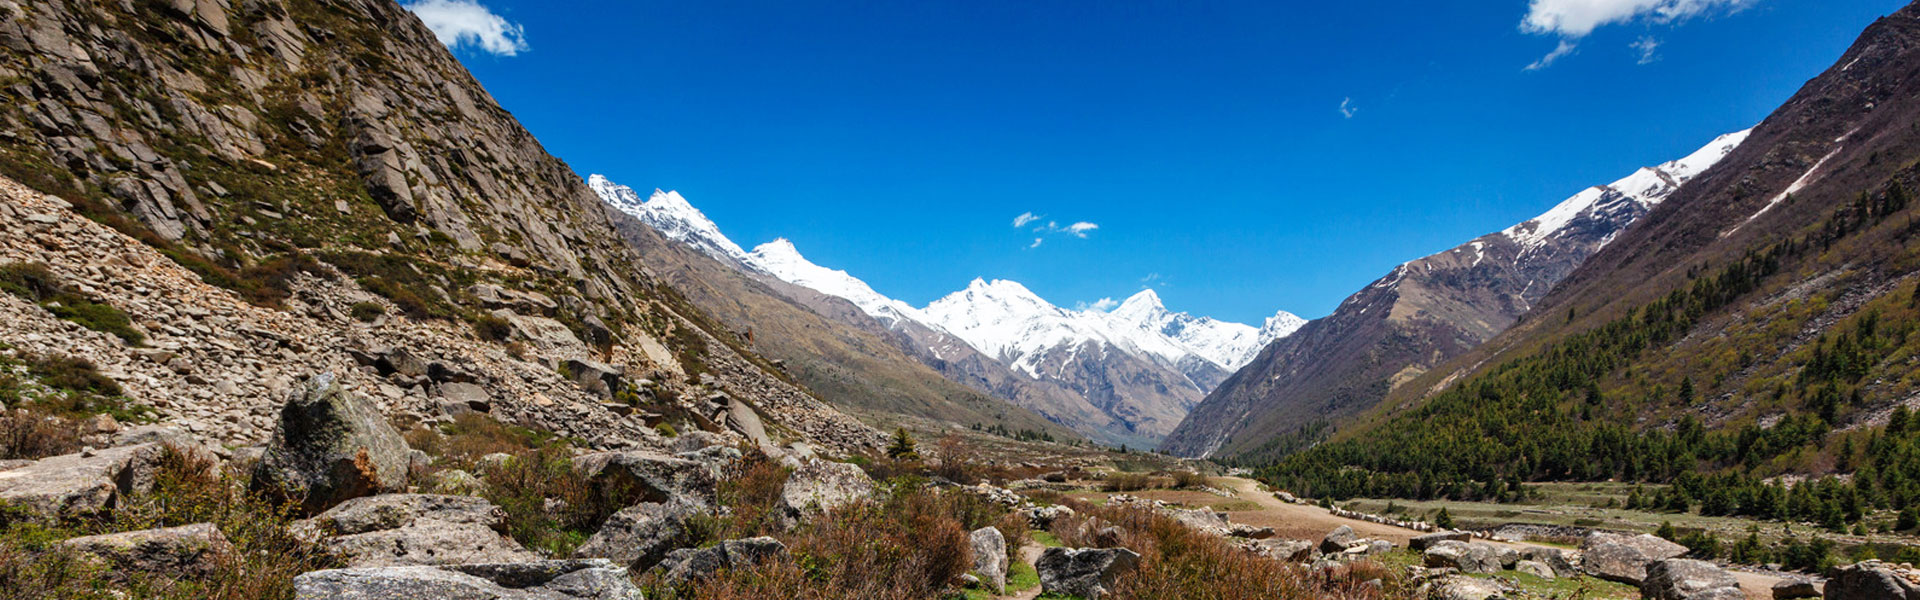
1624 558
189 550
546 580
417 529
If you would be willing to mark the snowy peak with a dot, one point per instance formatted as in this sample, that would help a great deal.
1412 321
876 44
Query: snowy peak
1644 188
672 216
780 258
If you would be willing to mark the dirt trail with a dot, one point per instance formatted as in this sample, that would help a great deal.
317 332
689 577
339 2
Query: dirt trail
1028 554
1307 522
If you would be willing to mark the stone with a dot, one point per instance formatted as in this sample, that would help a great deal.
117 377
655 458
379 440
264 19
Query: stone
417 529
595 377
1687 579
990 560
457 482
1624 558
1466 588
696 564
1563 562
1083 572
81 483
819 485
650 476
1786 589
331 446
1042 517
1468 557
1870 580
1338 540
192 550
1286 549
542 580
458 398
639 536
1535 568
1423 542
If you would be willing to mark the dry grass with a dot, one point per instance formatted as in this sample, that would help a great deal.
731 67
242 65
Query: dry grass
1178 563
188 489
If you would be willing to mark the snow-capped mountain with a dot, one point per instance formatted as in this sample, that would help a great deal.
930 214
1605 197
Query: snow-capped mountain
1169 360
1421 314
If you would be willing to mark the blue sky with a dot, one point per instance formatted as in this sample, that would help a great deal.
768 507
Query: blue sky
900 140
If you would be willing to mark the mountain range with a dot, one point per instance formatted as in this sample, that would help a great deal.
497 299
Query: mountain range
1124 376
1418 316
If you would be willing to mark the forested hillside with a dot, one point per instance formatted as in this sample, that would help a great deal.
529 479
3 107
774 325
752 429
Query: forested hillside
1754 331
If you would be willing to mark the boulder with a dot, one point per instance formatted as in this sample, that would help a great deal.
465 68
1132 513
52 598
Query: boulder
1787 589
192 550
990 560
1686 579
1419 543
650 476
80 483
818 486
457 482
542 580
1202 520
1338 540
1624 558
1285 549
1535 568
1563 562
1083 572
1243 530
1466 588
695 564
1468 557
416 529
1042 517
595 377
639 536
1870 579
331 446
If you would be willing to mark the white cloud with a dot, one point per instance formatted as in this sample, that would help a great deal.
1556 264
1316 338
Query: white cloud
1565 48
1080 229
1025 218
1648 47
1036 243
1347 109
1572 20
1102 305
466 23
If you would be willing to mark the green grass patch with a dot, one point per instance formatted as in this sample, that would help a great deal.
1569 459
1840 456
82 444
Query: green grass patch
35 283
1048 539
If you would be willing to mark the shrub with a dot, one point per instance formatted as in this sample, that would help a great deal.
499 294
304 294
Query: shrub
29 435
1189 480
1127 482
368 312
522 487
492 328
666 429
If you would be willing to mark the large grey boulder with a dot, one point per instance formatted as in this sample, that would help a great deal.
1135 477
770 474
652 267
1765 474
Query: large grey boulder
1339 540
817 486
1084 572
1564 563
1686 579
1624 558
1871 580
191 550
416 529
1203 520
1458 587
639 536
1285 549
651 476
1468 557
331 446
80 483
697 564
543 580
1535 568
1419 543
1788 589
990 560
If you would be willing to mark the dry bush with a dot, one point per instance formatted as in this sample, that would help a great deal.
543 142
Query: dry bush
908 548
1127 482
958 461
30 435
522 487
1187 480
752 494
188 488
1179 563
1016 529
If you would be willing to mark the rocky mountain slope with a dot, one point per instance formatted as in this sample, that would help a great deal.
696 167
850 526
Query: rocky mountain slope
1756 325
272 149
1417 317
1124 376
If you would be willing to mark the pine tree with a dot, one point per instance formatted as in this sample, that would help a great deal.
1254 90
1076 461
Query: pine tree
1442 519
903 447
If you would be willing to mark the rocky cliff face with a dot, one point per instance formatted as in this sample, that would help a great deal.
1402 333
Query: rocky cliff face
298 154
1420 315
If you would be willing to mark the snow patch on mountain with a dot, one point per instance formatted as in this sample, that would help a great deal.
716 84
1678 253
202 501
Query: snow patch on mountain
784 261
673 217
1645 187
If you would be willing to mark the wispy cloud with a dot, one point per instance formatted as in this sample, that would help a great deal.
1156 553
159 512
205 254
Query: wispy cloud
1030 221
1347 109
466 23
1036 243
1080 229
1649 49
1151 280
1572 20
1102 305
1025 218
